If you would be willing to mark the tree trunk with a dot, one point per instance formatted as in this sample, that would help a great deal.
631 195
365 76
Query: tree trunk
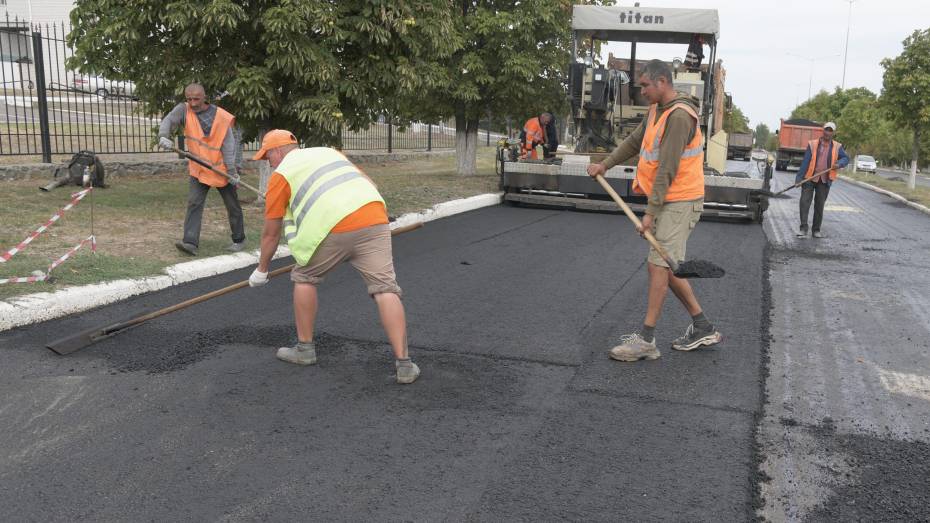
466 143
915 151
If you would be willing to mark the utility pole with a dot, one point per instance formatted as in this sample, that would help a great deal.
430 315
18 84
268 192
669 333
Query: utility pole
811 59
846 51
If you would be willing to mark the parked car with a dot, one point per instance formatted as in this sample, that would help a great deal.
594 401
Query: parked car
102 87
865 163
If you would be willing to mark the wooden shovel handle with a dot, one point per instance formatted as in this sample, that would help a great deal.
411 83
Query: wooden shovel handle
200 161
672 264
805 180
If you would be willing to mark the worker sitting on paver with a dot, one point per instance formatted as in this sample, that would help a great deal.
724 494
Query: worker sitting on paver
821 155
208 133
671 172
331 212
534 135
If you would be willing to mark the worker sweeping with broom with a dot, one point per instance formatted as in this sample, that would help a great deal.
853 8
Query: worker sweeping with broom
671 173
330 212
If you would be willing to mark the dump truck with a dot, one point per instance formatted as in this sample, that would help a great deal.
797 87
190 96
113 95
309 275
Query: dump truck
740 146
793 136
607 106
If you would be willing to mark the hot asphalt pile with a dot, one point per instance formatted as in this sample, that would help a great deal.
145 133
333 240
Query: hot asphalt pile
519 413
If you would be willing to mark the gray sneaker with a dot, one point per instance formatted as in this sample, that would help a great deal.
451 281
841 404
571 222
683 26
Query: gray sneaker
236 247
634 348
301 354
186 248
693 339
802 232
817 234
407 371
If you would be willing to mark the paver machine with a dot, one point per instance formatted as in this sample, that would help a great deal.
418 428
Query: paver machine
607 106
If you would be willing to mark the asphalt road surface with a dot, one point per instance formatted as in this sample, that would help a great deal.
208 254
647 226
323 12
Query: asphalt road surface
519 413
922 180
846 431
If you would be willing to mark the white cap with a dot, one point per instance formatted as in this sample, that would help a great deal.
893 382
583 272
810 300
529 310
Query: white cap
831 125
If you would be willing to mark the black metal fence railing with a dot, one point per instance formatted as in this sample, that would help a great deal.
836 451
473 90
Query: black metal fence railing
50 109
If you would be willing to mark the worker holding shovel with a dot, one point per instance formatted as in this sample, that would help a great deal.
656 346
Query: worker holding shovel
671 173
821 160
208 133
330 212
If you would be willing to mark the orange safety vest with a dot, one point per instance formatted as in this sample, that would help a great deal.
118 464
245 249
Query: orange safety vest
207 147
535 134
688 183
811 168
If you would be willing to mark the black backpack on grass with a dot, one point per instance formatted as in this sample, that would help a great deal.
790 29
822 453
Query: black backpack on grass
73 172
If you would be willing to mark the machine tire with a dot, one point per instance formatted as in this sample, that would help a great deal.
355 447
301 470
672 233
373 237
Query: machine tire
102 93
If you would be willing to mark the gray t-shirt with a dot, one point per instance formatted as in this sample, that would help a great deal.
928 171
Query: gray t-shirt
175 119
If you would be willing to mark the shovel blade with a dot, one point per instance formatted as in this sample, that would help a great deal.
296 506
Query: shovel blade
699 269
75 342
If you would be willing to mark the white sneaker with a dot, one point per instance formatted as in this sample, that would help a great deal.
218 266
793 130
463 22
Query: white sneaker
301 354
635 348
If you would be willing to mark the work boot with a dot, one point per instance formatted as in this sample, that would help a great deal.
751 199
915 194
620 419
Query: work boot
817 234
236 246
301 354
186 248
634 348
694 338
407 371
802 232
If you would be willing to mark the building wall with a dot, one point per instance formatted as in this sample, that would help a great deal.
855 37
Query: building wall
43 11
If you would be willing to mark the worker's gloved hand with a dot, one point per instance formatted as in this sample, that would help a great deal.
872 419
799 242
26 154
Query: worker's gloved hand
166 143
258 278
234 178
596 169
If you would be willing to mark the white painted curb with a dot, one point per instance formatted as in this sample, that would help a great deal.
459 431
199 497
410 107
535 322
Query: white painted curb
34 308
922 208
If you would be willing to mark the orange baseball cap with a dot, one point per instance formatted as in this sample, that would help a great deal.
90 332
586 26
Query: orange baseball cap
272 139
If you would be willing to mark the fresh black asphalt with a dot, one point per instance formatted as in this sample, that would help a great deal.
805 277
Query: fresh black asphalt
519 413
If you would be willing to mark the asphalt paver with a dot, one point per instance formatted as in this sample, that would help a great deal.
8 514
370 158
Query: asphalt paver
519 413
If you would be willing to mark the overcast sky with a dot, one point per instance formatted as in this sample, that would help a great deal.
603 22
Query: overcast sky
757 39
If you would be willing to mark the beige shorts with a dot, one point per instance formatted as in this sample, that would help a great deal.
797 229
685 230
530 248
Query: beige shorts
673 226
368 250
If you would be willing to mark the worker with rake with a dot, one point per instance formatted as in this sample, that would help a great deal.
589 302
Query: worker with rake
330 212
671 173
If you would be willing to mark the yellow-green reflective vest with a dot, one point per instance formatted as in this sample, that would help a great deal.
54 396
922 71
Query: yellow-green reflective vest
325 188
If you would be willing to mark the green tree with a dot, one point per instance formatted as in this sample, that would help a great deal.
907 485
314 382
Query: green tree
858 124
514 64
906 91
771 144
762 134
734 121
311 66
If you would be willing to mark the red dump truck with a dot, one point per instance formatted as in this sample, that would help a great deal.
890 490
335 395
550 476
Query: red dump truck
792 142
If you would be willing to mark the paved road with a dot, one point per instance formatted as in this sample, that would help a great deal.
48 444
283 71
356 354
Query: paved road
921 180
519 413
846 430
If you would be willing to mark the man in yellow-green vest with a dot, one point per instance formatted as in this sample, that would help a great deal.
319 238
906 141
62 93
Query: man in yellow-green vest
330 212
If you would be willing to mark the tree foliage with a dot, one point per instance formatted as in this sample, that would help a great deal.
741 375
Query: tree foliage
762 135
311 66
734 121
906 90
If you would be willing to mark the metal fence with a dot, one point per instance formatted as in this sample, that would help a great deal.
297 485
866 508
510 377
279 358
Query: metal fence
50 109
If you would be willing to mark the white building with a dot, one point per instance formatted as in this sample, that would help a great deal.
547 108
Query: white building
36 11
17 20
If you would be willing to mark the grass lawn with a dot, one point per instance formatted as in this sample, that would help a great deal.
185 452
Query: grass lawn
919 195
137 219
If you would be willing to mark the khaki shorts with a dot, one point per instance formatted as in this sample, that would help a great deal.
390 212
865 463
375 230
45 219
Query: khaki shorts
368 250
673 226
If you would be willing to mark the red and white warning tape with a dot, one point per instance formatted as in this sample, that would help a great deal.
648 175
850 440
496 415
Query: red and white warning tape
75 198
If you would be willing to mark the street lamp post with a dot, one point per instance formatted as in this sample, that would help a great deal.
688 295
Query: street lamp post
846 50
810 79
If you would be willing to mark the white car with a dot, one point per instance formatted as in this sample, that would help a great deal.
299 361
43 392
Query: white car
865 163
101 86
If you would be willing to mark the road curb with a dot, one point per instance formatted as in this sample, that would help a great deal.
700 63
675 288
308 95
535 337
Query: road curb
922 208
43 306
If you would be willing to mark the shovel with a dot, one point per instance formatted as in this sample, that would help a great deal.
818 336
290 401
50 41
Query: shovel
680 269
771 194
78 341
200 161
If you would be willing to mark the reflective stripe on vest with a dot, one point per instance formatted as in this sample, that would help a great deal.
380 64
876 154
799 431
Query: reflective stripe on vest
688 183
834 154
325 188
207 148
